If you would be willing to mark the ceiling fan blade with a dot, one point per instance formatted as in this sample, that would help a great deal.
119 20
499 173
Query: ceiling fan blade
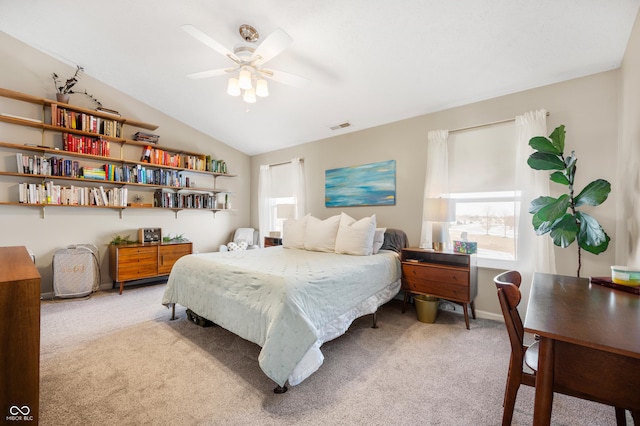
286 78
272 46
199 35
210 73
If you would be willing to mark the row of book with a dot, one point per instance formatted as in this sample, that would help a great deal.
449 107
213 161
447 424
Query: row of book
50 193
86 145
86 122
46 166
160 157
215 166
54 166
191 162
178 200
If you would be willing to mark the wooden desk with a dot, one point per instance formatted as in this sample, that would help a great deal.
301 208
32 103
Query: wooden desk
589 342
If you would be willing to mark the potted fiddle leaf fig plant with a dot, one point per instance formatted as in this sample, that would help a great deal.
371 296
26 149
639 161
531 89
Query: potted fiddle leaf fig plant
560 217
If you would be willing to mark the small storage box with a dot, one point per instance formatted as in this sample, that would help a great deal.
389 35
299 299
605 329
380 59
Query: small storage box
625 275
467 247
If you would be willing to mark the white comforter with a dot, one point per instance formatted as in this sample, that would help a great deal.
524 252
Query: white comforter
285 300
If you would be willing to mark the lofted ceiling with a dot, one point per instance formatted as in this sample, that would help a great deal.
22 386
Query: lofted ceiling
370 62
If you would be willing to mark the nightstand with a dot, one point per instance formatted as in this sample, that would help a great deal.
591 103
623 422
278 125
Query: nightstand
272 241
447 275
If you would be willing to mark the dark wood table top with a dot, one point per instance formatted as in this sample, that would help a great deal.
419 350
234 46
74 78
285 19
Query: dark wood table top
572 310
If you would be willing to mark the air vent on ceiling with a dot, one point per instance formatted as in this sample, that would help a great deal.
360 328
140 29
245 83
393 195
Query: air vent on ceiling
340 126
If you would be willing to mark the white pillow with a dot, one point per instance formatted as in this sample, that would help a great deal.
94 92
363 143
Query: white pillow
355 237
321 234
378 239
293 233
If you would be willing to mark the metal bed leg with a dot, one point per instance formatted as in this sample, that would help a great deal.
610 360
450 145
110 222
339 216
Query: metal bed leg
375 320
173 311
280 389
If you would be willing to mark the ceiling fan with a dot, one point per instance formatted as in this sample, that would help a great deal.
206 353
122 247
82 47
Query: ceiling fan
249 60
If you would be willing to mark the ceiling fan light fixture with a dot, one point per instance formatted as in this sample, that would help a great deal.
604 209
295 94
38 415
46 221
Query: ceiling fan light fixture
249 96
233 87
261 88
244 79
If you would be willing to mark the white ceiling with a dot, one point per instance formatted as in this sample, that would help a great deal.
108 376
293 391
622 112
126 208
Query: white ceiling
371 62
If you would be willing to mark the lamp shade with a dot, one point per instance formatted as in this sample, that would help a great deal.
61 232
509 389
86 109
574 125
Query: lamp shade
249 96
261 88
244 79
284 211
439 210
233 88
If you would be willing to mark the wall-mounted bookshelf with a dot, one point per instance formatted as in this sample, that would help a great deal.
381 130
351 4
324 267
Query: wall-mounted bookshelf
93 164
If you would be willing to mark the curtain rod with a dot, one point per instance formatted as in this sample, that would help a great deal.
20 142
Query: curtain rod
462 129
282 163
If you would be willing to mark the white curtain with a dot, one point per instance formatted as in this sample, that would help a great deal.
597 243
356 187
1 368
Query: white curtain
437 178
298 184
535 253
264 201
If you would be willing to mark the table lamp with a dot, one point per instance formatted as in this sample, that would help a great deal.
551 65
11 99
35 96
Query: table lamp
283 211
439 211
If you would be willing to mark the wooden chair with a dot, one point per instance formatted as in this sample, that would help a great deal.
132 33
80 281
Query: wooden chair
508 287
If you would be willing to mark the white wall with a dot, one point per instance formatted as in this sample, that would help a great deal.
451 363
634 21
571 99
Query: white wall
27 70
588 107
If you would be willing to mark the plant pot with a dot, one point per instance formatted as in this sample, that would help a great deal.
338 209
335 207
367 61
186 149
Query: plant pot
62 97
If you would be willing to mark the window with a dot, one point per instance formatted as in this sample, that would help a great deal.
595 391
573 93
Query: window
281 195
488 218
482 184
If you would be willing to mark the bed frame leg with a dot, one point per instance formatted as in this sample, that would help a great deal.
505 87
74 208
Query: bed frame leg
280 389
375 320
173 311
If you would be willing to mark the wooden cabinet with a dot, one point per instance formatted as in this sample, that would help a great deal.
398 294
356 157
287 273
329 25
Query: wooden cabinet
137 261
272 241
19 336
168 255
91 153
450 276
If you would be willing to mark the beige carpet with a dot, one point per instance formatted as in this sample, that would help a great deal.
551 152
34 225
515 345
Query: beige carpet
118 360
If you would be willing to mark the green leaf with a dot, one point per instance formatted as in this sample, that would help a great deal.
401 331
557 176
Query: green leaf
542 144
544 161
565 231
539 203
557 138
591 236
555 209
593 194
559 177
541 226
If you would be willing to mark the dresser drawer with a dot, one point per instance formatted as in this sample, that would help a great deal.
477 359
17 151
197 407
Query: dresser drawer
137 255
447 283
133 271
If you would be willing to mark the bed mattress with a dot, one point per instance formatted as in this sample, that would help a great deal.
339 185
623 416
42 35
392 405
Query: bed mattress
287 301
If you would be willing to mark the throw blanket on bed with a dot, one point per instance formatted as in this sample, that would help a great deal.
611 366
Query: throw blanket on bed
278 298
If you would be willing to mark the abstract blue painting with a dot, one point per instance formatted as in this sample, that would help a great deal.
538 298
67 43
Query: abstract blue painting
371 184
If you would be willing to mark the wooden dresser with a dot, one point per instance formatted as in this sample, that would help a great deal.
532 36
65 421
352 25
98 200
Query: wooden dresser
447 275
19 336
129 262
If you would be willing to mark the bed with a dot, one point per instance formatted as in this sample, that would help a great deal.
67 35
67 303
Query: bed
287 301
